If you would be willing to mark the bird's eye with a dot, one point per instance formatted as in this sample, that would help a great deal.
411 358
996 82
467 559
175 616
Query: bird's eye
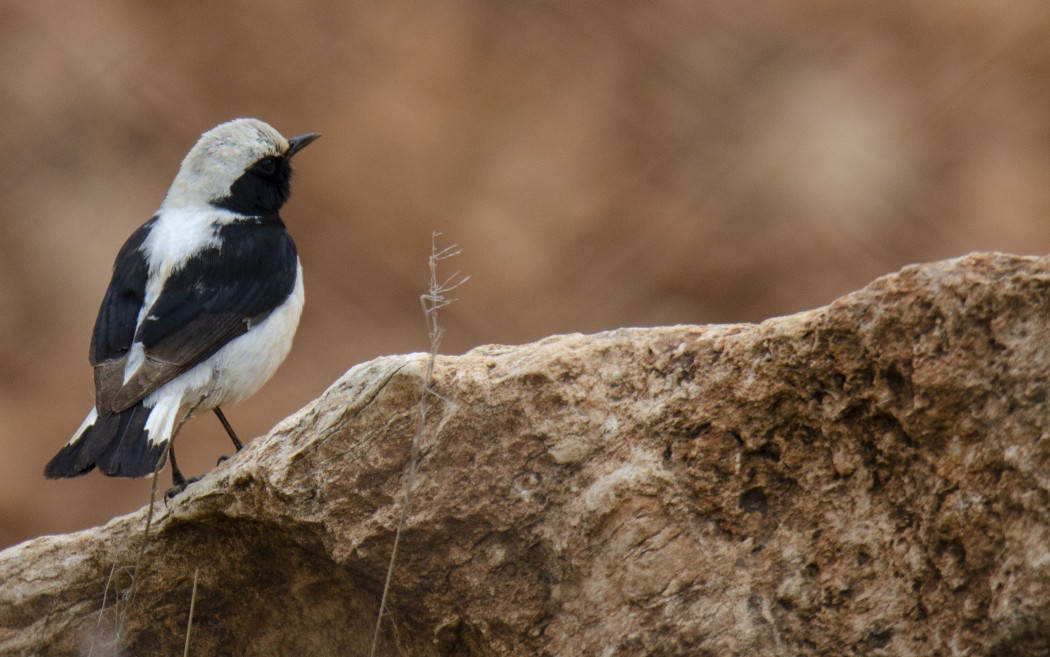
267 165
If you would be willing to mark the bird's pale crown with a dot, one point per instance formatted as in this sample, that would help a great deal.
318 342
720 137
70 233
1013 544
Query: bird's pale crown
219 158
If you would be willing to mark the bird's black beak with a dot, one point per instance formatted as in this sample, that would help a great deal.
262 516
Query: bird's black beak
296 144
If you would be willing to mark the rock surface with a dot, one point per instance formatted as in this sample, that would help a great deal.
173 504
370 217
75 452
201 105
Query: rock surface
867 478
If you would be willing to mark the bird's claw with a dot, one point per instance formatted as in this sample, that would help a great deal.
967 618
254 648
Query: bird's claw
170 494
177 487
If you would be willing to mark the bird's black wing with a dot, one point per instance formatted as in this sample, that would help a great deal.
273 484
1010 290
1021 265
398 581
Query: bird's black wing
115 325
215 297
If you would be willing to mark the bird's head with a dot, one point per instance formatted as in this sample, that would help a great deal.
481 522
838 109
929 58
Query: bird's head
243 166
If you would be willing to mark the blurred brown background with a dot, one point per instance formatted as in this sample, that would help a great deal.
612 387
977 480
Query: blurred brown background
602 164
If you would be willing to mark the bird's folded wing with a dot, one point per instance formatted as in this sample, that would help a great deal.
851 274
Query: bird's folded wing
117 316
178 352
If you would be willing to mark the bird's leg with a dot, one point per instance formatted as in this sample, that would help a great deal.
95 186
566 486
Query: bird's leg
229 429
177 480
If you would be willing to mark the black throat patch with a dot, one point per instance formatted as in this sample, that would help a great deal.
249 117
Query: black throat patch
262 189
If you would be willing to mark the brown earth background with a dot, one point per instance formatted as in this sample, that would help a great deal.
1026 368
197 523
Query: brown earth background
602 164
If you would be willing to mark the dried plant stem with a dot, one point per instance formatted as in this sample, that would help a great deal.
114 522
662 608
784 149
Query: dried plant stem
142 549
432 301
140 557
102 609
189 621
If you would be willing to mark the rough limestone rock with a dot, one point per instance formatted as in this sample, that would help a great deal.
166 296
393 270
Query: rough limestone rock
868 478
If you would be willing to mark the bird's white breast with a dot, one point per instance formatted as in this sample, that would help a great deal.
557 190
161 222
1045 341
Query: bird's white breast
248 361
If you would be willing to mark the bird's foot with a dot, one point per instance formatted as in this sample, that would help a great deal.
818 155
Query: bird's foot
178 486
222 459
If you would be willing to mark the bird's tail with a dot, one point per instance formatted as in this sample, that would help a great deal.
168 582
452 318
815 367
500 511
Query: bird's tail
132 443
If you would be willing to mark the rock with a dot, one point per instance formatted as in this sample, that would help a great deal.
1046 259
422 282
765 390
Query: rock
867 478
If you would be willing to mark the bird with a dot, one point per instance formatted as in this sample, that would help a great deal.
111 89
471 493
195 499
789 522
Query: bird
201 309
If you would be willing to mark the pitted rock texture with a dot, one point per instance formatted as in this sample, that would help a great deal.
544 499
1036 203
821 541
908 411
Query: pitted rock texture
868 478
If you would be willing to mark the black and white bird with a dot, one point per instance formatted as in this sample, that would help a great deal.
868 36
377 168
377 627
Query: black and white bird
202 306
